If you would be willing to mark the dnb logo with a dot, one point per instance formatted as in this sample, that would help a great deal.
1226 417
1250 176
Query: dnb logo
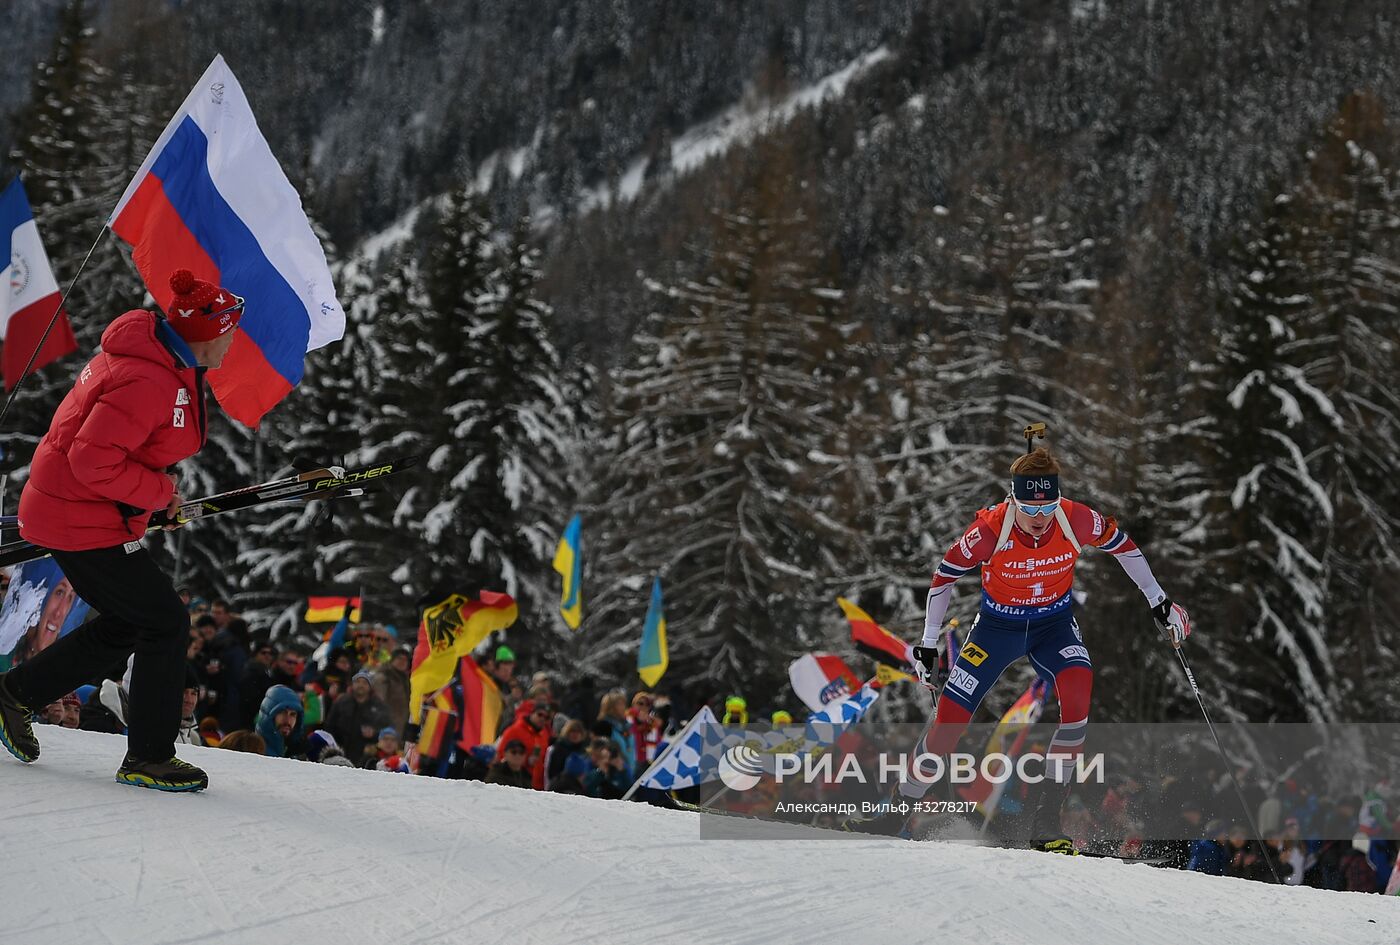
1075 653
973 653
741 767
963 681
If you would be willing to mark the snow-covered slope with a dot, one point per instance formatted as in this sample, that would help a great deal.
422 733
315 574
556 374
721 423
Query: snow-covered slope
735 126
286 852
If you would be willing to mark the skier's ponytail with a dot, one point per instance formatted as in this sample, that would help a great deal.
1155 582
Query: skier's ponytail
1039 462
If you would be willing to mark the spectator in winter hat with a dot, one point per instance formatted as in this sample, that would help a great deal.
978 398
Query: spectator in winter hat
386 747
782 717
510 768
502 665
72 710
319 742
566 761
736 711
96 478
357 717
532 729
279 723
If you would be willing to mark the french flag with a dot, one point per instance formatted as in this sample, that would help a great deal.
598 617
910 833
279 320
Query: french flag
211 198
33 296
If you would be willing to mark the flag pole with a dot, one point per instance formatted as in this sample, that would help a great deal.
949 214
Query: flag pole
670 748
58 310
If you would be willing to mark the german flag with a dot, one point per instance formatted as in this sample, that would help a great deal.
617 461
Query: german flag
449 631
874 640
439 722
330 609
481 706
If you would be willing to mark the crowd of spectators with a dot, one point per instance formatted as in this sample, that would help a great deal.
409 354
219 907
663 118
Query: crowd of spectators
350 707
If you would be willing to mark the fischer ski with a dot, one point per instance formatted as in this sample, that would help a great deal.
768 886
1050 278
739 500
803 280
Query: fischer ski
330 482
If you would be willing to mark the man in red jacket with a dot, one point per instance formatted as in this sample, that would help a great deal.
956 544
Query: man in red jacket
97 475
532 729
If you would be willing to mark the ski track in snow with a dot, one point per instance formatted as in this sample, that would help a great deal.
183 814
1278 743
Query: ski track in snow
282 851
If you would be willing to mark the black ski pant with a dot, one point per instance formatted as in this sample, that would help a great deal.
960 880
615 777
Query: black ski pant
139 612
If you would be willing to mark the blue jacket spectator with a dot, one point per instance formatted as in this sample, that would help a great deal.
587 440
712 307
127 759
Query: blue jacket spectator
279 723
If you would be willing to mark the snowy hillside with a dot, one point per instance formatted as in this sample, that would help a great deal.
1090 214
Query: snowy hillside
289 852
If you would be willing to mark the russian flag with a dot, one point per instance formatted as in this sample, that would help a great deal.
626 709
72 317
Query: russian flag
211 198
33 296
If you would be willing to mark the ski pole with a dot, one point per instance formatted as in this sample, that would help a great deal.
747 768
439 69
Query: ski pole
1229 768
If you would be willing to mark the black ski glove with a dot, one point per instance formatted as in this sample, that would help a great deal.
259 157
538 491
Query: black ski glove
929 667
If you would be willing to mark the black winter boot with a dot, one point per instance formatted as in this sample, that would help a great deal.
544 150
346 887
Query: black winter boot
1045 819
16 732
170 775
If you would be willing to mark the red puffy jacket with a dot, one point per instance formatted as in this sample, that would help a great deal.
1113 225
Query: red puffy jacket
99 473
536 741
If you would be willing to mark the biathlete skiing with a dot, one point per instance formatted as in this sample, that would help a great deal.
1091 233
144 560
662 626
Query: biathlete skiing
1026 548
97 476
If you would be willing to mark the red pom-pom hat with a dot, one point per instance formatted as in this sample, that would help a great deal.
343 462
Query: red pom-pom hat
201 311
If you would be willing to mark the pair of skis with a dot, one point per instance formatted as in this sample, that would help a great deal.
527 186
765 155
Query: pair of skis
327 482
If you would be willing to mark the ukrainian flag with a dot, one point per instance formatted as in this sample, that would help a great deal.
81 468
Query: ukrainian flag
653 659
567 561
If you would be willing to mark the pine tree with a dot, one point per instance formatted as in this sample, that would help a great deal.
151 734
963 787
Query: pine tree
509 488
1349 351
473 381
715 421
1272 656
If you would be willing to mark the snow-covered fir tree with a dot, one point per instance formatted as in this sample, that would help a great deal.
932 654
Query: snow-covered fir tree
471 381
1270 634
714 423
508 481
1349 351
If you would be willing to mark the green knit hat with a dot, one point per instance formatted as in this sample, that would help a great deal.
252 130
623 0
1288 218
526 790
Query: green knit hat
505 654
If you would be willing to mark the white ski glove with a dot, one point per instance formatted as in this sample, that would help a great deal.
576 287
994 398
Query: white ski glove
1173 620
929 668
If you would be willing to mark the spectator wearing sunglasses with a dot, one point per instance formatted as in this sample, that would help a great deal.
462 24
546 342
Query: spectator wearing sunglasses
532 728
1026 548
